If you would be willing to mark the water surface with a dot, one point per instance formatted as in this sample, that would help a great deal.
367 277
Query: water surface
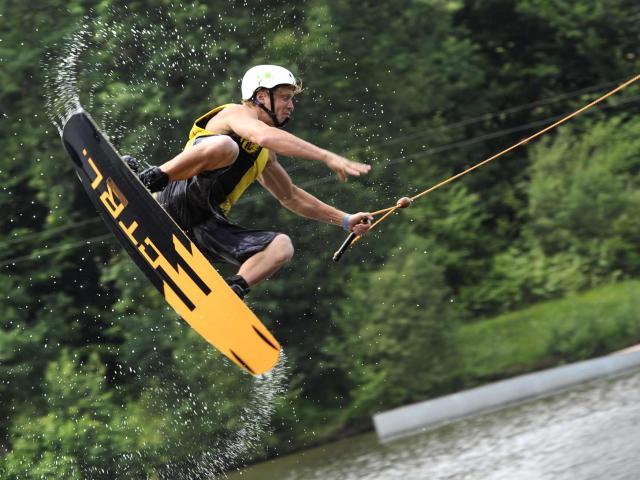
590 432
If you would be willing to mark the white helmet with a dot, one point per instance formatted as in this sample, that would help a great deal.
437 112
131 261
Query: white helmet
265 76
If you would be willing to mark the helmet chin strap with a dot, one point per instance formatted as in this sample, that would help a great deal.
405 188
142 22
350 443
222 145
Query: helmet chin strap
271 112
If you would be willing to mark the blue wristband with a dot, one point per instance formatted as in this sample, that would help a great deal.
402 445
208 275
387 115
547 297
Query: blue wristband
345 221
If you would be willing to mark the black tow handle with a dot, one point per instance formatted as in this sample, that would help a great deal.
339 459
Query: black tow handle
347 243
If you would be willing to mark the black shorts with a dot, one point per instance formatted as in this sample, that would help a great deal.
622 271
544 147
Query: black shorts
190 204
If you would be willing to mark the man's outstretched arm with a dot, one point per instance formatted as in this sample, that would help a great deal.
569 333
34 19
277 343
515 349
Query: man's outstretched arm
284 143
275 179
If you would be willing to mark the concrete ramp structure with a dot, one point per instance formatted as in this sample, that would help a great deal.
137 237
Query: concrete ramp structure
426 415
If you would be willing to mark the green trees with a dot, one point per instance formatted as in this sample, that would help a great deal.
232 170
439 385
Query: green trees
584 197
581 229
394 342
420 89
84 432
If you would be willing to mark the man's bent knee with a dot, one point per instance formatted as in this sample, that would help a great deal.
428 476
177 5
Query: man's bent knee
218 152
283 248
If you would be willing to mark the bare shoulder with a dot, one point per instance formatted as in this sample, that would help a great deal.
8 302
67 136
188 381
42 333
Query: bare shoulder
235 110
221 122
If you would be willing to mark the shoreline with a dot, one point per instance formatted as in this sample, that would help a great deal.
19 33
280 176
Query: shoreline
418 417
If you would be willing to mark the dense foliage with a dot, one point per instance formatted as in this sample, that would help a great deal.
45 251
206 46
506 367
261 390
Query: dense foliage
99 379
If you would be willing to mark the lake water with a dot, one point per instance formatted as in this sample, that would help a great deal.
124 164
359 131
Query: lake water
590 432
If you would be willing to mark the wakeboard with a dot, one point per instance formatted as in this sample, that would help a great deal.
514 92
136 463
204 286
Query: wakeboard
159 247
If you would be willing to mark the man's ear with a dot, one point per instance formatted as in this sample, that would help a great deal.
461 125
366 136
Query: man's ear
263 97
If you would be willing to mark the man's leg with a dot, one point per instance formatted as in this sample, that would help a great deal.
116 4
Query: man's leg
211 153
263 264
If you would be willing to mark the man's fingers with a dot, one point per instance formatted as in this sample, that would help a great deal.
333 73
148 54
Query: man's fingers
363 223
349 168
360 167
363 167
357 169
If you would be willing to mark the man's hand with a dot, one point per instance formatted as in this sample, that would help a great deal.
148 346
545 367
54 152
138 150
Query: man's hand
360 223
344 167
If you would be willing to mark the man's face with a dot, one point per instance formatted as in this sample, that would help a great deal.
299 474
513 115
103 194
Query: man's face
283 99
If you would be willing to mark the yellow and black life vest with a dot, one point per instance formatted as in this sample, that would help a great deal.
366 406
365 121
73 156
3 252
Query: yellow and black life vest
249 165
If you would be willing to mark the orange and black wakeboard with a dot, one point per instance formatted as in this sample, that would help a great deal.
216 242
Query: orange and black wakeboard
165 254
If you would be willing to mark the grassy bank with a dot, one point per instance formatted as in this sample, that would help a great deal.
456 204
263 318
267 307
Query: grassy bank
574 328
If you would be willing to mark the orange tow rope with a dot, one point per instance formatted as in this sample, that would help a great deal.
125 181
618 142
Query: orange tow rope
406 201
